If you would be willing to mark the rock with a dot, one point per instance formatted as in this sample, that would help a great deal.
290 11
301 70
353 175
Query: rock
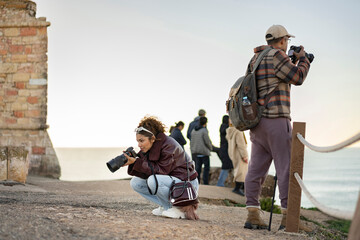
14 163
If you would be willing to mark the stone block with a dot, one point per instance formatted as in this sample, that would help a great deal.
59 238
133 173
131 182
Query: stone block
32 100
37 58
20 85
24 92
11 32
30 31
8 68
23 122
19 58
11 92
3 163
38 150
25 68
18 106
32 113
16 48
21 77
19 164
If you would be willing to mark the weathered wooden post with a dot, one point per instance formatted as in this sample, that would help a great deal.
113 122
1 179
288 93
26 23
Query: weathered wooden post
296 165
354 232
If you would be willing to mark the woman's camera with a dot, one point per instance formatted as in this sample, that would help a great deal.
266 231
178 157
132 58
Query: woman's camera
119 161
297 49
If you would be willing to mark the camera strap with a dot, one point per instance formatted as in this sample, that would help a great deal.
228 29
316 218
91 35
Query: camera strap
156 181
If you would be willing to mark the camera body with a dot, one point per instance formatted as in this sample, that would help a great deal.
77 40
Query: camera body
297 49
119 161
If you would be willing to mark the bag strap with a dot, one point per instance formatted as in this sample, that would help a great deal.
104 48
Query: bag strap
187 168
156 181
260 57
256 64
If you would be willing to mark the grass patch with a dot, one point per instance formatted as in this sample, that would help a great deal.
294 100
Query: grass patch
309 220
311 208
339 225
265 204
229 203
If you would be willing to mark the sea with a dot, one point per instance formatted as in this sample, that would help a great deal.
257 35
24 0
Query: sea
332 178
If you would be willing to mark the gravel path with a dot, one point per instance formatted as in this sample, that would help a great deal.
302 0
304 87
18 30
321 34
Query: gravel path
53 209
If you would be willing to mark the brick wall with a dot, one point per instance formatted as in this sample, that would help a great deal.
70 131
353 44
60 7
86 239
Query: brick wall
23 85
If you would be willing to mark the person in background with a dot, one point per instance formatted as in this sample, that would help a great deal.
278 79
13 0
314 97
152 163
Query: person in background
223 153
154 170
200 146
175 132
238 154
195 122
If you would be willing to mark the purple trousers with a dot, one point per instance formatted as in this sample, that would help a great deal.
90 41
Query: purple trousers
271 140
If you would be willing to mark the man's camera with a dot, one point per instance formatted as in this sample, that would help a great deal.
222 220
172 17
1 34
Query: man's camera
297 49
119 161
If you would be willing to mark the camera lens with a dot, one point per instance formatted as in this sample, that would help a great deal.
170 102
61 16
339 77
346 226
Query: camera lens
116 163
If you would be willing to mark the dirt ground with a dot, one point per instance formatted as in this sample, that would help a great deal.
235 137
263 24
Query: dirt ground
52 209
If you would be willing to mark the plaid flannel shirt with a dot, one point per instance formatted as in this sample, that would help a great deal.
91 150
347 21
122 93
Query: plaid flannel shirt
276 69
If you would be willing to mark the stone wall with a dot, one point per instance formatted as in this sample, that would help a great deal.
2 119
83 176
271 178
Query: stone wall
23 85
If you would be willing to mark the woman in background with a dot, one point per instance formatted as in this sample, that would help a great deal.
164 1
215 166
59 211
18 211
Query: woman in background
239 156
160 161
175 132
223 153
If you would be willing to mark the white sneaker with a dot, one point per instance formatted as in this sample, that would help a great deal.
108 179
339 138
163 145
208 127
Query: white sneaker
173 212
158 211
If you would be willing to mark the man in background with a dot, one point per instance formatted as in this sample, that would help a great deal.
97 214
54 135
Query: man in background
201 146
192 125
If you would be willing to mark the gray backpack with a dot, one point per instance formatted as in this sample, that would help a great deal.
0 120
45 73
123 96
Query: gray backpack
243 109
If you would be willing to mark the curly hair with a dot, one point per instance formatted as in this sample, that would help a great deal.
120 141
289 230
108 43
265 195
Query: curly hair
153 124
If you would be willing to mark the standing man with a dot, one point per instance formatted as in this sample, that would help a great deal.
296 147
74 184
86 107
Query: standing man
192 125
201 146
271 138
195 122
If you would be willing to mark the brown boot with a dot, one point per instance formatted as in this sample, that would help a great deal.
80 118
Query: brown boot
253 220
302 227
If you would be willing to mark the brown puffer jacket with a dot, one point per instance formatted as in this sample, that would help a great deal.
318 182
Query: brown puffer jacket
166 157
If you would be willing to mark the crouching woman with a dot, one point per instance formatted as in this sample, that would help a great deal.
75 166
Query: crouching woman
161 161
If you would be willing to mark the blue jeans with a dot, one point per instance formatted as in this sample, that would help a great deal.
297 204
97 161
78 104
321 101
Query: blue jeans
164 183
222 177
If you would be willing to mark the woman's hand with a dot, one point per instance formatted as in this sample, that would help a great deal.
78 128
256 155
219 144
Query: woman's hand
245 159
130 160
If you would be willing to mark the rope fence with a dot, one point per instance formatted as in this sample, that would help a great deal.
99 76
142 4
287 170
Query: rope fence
330 148
330 211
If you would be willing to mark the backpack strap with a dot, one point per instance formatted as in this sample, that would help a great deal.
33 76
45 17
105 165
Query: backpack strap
260 57
258 60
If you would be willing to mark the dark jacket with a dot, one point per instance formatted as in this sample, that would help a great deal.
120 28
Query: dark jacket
192 125
223 154
177 135
167 157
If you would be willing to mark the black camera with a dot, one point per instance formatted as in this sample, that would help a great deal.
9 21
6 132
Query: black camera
119 161
296 49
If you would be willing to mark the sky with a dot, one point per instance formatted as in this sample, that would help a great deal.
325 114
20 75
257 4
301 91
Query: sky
112 62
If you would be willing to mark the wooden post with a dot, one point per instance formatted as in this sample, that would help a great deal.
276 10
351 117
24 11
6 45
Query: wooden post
354 232
296 165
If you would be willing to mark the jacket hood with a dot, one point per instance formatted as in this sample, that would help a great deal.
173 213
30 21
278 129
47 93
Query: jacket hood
230 132
197 128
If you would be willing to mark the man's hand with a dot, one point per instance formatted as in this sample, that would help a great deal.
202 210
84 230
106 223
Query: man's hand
300 54
130 160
